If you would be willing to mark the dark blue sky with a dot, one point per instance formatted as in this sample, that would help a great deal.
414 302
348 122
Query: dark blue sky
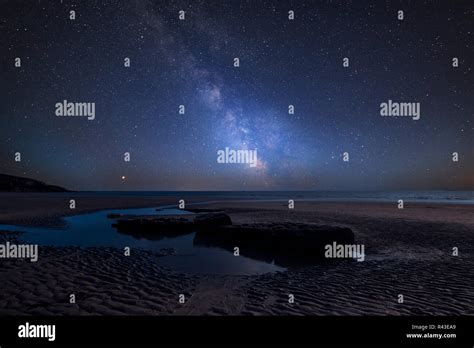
282 62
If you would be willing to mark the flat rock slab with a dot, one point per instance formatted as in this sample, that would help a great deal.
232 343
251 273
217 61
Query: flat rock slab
212 220
154 228
286 244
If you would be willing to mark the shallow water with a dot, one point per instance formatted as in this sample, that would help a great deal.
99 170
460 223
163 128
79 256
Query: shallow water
95 229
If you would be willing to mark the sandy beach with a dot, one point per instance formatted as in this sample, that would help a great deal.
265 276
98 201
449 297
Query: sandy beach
408 252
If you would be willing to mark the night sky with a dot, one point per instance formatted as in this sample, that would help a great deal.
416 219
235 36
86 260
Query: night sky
282 62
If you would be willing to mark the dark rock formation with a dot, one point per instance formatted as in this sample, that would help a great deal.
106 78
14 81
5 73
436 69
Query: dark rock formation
10 183
154 228
286 244
114 216
212 220
168 226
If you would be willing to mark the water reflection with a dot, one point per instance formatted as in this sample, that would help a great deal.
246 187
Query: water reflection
96 230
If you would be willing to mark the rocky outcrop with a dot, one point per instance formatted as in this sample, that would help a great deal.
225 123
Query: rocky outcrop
168 226
10 183
211 220
286 244
154 228
114 215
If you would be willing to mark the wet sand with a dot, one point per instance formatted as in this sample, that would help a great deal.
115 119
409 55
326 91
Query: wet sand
408 252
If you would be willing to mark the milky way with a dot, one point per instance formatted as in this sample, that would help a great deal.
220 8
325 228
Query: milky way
283 62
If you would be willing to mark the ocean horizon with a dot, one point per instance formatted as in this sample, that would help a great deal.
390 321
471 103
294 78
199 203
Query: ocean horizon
434 196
